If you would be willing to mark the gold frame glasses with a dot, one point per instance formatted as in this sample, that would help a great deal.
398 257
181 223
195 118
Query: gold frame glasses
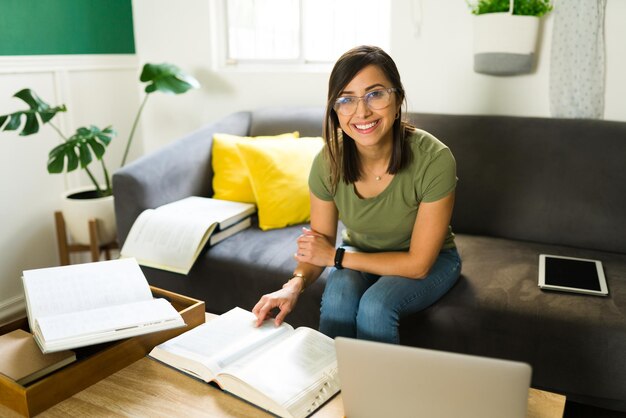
375 100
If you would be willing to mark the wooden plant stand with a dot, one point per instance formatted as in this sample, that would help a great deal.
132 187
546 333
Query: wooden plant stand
94 247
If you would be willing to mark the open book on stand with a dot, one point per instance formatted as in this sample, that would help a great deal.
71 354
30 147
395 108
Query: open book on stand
84 304
172 236
287 372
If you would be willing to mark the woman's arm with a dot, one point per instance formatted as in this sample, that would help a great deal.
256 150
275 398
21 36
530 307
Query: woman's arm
324 218
429 232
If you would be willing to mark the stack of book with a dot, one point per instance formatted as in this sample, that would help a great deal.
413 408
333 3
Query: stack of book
79 305
23 361
172 236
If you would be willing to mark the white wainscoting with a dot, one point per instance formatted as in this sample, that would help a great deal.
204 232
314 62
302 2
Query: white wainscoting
97 89
12 309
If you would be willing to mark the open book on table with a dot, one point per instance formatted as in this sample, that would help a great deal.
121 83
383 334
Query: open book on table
288 372
172 236
84 304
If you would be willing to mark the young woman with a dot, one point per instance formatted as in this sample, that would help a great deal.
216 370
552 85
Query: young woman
392 186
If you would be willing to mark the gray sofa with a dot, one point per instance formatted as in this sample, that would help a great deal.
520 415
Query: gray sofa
526 186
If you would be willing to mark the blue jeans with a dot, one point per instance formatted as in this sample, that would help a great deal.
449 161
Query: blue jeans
368 306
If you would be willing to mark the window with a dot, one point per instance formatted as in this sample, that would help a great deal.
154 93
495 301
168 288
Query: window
302 31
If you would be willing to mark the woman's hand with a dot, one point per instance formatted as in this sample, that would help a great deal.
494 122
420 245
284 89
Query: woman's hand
284 299
314 248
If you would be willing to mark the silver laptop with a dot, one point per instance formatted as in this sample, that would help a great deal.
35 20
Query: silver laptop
384 380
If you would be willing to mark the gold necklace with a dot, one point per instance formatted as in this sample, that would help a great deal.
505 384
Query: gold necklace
377 177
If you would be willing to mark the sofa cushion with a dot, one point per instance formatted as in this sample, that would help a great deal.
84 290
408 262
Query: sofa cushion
549 180
230 177
278 172
497 309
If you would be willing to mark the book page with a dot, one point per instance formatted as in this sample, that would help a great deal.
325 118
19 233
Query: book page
223 340
73 326
80 287
171 236
294 368
165 240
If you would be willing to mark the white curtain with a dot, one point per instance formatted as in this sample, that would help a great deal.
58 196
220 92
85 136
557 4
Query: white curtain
577 63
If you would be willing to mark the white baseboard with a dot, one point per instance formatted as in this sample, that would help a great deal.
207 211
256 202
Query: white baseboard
12 309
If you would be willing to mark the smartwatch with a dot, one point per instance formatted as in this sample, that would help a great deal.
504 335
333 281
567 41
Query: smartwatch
339 257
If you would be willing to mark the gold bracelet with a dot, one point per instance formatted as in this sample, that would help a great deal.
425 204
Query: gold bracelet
303 281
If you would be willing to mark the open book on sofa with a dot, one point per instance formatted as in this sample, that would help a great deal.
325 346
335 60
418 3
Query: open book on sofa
288 372
172 236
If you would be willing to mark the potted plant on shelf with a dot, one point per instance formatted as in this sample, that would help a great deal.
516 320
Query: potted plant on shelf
505 34
87 145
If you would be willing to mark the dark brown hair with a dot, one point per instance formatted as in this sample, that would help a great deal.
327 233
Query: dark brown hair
341 151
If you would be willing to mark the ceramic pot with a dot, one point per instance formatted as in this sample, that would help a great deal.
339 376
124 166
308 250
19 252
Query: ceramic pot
79 206
504 44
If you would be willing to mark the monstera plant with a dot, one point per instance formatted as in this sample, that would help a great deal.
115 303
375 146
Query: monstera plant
89 143
86 146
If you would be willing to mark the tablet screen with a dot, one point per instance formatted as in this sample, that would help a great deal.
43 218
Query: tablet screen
572 275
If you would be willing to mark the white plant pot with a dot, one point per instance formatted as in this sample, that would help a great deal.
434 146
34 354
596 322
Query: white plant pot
504 44
77 213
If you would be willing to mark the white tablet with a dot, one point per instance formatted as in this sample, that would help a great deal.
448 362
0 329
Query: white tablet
570 274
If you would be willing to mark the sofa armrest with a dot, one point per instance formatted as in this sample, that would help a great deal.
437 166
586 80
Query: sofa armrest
178 170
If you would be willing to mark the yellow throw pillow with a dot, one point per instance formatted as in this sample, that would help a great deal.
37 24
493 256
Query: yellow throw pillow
279 173
230 177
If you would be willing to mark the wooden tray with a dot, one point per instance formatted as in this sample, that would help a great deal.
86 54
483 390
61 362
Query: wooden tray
93 363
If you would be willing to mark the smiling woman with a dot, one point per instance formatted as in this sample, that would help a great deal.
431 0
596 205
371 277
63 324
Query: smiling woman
392 186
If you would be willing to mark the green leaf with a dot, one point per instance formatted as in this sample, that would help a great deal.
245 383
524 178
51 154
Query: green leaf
166 78
56 158
14 123
520 7
97 148
80 149
39 113
84 154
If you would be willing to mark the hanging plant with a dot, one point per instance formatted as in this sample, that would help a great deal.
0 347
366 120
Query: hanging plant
505 35
536 8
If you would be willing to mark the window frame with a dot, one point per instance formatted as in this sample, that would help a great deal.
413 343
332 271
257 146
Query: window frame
222 62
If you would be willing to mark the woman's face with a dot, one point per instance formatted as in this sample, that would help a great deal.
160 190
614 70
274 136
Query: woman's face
369 127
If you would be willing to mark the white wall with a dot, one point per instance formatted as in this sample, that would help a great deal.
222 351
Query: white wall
98 90
436 65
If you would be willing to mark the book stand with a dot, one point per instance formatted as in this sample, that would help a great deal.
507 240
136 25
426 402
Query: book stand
94 247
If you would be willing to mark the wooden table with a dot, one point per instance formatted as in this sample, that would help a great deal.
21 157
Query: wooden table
147 388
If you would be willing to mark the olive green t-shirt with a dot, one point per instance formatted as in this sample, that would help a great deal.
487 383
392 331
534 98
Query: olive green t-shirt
385 222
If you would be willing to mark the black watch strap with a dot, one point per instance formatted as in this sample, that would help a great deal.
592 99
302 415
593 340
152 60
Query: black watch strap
339 257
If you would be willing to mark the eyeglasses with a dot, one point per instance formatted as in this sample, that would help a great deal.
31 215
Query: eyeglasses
375 100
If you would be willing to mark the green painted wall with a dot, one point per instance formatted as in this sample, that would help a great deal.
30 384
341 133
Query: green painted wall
50 27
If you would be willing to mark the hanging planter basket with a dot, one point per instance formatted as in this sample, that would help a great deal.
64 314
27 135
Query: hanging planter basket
504 44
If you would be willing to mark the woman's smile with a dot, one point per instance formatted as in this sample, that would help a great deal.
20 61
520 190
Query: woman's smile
366 127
